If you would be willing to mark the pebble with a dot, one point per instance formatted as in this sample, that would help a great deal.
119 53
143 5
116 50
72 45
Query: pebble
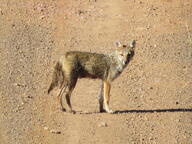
52 130
46 128
102 124
55 131
1 12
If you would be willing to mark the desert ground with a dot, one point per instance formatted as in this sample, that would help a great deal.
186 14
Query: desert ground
152 97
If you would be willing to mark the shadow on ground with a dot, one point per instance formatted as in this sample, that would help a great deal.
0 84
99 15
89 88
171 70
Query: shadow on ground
155 111
141 111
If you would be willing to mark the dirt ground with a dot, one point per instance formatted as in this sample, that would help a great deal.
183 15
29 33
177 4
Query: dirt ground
153 96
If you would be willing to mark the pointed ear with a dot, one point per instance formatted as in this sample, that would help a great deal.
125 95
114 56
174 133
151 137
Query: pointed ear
118 44
132 44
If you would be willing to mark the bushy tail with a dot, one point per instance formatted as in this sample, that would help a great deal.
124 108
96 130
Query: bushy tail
57 78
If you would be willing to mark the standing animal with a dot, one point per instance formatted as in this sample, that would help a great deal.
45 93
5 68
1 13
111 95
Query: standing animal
75 64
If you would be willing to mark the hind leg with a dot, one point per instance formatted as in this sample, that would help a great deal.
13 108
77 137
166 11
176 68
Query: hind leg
70 89
68 99
59 97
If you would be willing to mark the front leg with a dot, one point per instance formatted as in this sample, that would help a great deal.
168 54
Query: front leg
107 88
101 109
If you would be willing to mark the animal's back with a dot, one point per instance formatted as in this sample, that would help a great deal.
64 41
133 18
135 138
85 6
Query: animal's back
88 64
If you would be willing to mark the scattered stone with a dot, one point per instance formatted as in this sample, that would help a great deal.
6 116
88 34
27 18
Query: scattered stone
46 128
52 130
1 12
178 120
42 17
151 88
177 103
55 131
20 85
148 27
102 124
81 12
151 138
29 97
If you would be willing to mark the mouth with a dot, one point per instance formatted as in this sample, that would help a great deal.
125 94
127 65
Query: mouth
126 62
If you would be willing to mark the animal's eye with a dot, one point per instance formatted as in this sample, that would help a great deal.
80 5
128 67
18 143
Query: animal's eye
121 54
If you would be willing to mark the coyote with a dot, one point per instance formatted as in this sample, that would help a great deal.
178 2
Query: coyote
75 64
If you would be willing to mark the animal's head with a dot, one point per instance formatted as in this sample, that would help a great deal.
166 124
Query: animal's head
125 52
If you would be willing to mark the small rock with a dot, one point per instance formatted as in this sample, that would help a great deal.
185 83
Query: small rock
46 128
81 12
151 138
30 97
103 124
55 131
42 17
20 85
178 120
148 27
1 12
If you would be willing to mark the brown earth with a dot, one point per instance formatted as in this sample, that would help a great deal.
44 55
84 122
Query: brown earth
153 95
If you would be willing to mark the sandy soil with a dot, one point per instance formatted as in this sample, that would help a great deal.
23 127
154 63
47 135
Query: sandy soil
153 96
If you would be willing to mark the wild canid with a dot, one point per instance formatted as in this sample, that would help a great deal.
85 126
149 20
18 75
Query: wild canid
75 64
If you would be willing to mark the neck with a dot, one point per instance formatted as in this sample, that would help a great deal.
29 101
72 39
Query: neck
116 66
118 61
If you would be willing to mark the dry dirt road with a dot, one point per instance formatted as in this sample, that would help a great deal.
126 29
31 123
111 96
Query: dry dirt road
153 96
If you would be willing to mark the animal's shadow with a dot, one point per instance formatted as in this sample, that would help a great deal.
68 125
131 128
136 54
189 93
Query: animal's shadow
154 111
143 111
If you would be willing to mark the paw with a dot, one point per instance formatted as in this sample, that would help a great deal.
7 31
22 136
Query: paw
110 111
72 111
102 110
63 109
